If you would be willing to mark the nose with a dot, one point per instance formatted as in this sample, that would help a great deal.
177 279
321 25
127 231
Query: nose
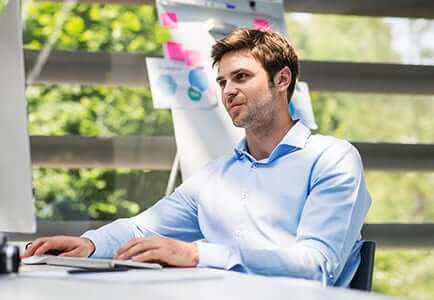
229 91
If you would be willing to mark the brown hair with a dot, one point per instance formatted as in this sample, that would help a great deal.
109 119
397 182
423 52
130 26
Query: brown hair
269 48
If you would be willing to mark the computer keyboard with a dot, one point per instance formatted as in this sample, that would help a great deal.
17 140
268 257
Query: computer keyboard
85 262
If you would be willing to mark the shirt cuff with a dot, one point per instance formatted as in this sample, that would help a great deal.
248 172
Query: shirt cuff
98 241
217 255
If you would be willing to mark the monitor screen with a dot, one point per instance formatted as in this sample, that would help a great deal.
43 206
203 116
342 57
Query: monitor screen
17 211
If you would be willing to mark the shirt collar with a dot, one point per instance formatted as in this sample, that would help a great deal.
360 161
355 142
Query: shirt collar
241 148
296 137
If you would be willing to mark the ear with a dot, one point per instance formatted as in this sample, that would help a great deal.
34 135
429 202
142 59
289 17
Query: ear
282 79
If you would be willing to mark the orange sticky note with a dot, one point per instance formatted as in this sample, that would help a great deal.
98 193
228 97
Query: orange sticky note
174 50
169 19
261 24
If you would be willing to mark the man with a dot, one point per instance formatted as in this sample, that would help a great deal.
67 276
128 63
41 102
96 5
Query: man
285 203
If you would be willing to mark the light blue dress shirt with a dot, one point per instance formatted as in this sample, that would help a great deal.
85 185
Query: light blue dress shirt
297 213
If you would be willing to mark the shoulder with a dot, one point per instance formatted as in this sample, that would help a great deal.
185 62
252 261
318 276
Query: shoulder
332 153
325 142
329 145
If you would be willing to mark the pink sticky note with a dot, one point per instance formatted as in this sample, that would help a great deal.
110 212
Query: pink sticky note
169 19
193 58
211 90
261 24
174 50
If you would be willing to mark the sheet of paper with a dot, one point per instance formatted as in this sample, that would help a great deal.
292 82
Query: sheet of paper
174 85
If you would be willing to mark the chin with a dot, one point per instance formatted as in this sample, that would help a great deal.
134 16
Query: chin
240 124
237 124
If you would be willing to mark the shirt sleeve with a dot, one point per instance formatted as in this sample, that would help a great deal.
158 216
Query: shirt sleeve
174 216
329 225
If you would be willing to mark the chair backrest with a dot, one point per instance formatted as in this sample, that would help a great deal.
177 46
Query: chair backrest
362 280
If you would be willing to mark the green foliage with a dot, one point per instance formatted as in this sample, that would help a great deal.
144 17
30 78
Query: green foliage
94 27
401 197
405 273
79 194
330 37
3 4
95 194
94 111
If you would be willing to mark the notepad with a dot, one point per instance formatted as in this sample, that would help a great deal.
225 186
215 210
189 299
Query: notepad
84 262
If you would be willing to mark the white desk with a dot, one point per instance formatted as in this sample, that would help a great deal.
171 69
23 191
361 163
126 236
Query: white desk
46 283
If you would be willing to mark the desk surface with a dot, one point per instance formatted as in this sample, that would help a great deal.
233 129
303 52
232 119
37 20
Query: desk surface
47 282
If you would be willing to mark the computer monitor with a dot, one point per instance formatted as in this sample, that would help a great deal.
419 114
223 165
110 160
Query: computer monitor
17 210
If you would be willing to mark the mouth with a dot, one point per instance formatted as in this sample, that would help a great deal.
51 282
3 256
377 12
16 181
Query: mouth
235 105
234 108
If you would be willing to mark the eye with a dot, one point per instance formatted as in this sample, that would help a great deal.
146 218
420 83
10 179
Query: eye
241 76
222 83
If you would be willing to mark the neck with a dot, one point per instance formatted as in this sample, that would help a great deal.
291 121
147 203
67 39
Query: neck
262 140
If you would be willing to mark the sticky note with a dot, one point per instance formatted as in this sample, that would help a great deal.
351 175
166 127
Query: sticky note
261 24
193 58
174 51
169 19
211 90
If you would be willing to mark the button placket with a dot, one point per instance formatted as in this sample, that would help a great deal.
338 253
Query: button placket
241 228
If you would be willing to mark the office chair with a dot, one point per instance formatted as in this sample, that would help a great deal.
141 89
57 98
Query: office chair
362 280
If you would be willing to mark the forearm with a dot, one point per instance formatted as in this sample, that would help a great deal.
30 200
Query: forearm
109 238
303 260
169 217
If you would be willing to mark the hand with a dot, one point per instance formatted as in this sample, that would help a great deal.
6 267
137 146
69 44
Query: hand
66 245
161 250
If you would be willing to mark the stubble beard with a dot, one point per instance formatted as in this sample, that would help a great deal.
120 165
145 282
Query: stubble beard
255 117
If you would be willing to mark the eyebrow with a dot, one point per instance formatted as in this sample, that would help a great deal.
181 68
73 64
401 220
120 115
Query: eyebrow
232 73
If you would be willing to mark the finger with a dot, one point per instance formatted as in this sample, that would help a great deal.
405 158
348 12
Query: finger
74 252
159 256
143 246
30 251
127 246
171 254
152 239
149 242
47 246
152 255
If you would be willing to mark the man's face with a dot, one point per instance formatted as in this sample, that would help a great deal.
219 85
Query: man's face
245 88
